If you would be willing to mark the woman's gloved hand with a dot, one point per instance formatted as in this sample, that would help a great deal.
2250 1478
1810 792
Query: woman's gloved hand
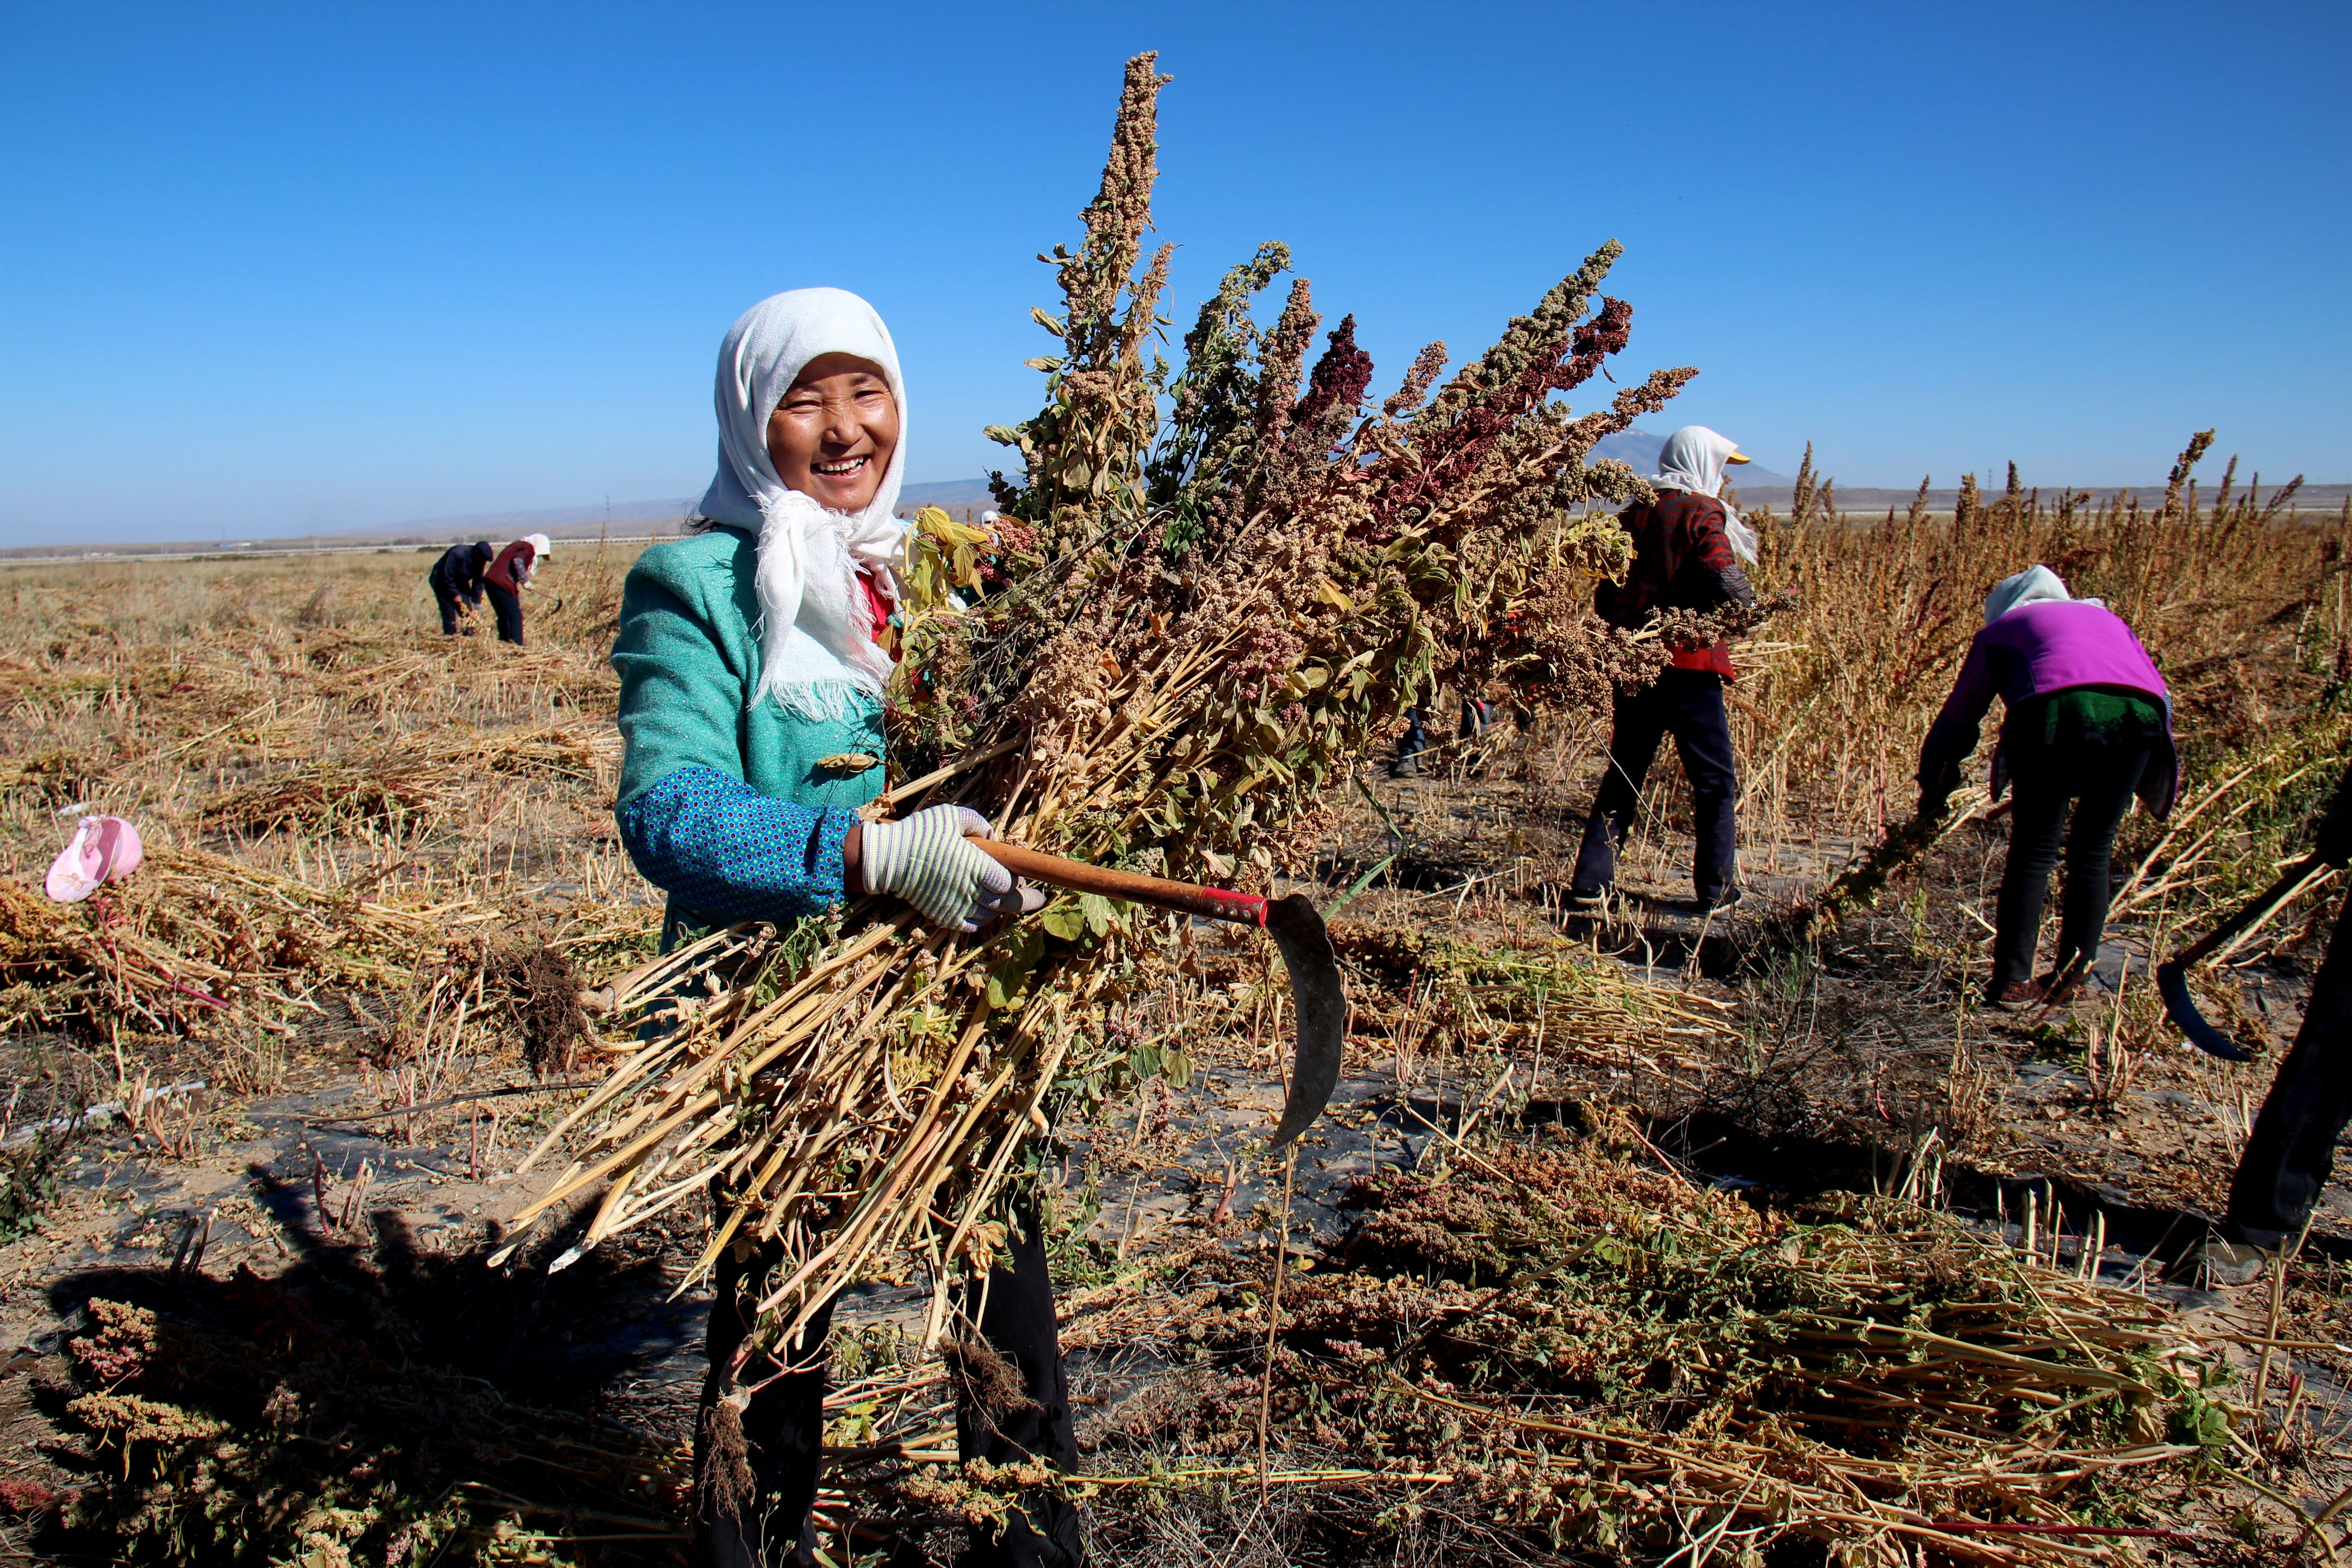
930 861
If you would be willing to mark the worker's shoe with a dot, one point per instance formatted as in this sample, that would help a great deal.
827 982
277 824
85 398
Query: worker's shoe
1585 900
2242 1261
2059 988
1722 899
2017 995
1409 745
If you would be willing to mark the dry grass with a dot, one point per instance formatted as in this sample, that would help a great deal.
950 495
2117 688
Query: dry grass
342 806
2242 601
329 789
1566 1350
350 806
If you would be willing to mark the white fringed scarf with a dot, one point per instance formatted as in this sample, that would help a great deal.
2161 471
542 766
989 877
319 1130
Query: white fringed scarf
816 632
1692 459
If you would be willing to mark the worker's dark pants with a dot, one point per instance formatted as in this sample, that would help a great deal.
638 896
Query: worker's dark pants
784 1426
448 602
2292 1146
508 606
1688 705
2099 781
1476 714
1416 739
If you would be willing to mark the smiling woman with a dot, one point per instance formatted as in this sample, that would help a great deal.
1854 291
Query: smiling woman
751 682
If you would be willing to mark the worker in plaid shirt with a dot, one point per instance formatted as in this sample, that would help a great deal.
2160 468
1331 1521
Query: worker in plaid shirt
1687 547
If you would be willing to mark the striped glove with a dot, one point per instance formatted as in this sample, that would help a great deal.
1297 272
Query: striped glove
928 860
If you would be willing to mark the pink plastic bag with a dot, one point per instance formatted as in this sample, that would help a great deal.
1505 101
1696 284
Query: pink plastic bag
104 849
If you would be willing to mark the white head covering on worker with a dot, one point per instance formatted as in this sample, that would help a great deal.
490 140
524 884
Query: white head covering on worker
2037 585
1693 459
816 636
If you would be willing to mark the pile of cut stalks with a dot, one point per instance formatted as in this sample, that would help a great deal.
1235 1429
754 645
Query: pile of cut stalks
1531 1350
193 938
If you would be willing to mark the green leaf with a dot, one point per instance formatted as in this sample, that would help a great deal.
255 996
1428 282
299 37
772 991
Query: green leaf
1065 919
1101 913
1176 1068
1010 979
1357 886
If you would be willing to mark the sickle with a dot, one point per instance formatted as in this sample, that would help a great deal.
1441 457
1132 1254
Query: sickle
1319 997
2172 976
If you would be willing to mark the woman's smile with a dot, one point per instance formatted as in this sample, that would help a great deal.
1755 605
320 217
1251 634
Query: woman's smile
832 436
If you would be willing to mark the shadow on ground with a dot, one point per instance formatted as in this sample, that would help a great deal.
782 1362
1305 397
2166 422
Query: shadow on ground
374 1400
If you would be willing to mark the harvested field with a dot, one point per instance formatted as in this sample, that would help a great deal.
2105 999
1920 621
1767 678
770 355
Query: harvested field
1624 1238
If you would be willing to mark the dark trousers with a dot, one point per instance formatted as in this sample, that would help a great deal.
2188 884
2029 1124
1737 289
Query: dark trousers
448 602
783 1425
2292 1149
1688 705
1476 714
2097 781
508 606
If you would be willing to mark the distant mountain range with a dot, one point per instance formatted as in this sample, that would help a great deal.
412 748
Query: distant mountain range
630 517
1636 448
948 495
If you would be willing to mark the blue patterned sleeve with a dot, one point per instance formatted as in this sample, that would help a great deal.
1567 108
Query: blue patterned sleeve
730 852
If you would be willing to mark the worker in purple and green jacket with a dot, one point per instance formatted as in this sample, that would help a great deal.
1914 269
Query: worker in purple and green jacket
748 669
2088 727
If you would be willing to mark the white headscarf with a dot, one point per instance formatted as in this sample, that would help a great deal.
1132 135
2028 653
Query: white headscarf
816 636
1692 459
2034 586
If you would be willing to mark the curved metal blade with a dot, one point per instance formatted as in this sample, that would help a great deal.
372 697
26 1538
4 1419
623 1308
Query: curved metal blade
1319 999
2172 984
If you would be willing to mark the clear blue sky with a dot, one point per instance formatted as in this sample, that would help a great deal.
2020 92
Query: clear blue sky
268 268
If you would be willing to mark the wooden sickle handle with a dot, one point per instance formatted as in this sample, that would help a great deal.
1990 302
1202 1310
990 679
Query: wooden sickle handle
2255 911
1215 903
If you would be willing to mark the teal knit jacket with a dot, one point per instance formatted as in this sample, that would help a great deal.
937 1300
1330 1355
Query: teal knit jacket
722 804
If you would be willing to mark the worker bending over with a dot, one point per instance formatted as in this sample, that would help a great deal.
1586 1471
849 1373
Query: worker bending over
457 580
1688 550
507 578
2088 725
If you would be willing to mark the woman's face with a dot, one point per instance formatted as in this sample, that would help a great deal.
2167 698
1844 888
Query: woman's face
832 437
